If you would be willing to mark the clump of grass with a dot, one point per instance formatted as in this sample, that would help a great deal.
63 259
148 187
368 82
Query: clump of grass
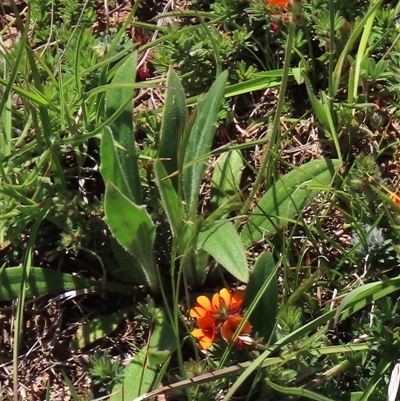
105 372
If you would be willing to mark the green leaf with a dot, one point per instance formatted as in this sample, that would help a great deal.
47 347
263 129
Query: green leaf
138 378
34 97
386 361
111 168
133 228
126 268
226 178
95 329
122 126
263 283
287 197
355 34
223 243
356 396
194 260
162 343
259 81
200 140
301 392
362 51
323 113
173 122
173 207
365 294
46 281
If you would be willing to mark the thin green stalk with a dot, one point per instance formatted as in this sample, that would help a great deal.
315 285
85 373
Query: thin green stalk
176 313
173 315
214 44
6 115
277 119
336 370
5 141
332 35
19 318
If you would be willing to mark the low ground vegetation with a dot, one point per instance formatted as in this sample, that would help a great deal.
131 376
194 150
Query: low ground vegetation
199 200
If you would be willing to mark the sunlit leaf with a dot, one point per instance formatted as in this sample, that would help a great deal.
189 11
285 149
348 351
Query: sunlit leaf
200 139
287 198
223 243
133 229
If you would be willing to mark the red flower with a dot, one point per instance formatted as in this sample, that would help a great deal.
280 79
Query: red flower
273 27
223 303
219 315
229 327
279 3
395 197
205 334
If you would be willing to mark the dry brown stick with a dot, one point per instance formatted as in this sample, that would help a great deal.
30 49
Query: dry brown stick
219 374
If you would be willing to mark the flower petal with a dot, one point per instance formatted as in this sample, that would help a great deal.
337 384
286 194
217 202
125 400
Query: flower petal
204 302
197 312
215 302
206 323
202 307
226 331
204 338
197 333
205 343
395 198
226 295
279 3
246 329
230 325
237 299
244 340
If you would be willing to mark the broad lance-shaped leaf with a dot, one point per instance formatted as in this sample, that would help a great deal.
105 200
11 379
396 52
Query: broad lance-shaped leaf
140 374
95 329
138 378
173 207
194 260
200 140
226 178
263 290
223 243
162 343
173 123
321 111
122 126
287 197
126 268
47 281
111 168
133 228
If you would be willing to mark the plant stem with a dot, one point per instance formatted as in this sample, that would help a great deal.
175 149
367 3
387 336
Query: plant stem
277 119
331 53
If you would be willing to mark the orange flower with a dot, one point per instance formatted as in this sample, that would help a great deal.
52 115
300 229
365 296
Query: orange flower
279 3
205 334
395 197
222 304
219 315
229 327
